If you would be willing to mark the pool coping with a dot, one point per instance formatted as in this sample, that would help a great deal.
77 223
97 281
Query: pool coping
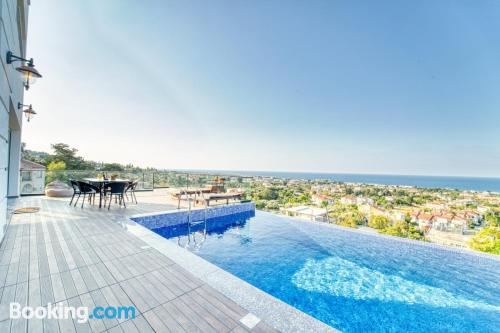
272 311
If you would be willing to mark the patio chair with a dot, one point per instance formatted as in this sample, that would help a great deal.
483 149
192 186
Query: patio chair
76 190
131 189
87 189
116 189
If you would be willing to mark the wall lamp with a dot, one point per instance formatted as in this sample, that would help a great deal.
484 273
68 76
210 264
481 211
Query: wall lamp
29 112
28 72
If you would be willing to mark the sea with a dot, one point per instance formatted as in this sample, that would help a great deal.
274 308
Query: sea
447 182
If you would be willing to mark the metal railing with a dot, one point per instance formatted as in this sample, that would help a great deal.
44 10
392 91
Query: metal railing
34 182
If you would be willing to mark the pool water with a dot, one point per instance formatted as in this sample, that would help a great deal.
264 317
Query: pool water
350 280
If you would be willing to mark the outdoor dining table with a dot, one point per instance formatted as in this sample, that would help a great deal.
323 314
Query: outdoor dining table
99 182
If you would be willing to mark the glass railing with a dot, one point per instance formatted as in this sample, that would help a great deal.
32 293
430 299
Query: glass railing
34 182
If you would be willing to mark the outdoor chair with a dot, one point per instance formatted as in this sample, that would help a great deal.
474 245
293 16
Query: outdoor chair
131 190
87 189
116 189
76 190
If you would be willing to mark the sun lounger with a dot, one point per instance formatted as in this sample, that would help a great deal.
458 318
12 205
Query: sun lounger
221 196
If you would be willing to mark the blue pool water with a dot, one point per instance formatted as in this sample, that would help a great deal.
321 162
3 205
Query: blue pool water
352 281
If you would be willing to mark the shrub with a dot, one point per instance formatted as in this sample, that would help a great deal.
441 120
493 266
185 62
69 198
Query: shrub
378 222
487 240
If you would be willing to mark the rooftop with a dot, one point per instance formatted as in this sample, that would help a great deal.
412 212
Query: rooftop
29 165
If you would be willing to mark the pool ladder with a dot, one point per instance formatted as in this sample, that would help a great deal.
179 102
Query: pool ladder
190 222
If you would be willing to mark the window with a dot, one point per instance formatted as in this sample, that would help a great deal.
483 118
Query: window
26 176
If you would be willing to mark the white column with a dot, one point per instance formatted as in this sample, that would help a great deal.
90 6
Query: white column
14 164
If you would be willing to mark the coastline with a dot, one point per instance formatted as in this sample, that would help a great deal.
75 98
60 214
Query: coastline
476 184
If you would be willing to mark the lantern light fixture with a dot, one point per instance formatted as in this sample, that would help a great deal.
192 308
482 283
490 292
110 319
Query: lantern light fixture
29 112
28 72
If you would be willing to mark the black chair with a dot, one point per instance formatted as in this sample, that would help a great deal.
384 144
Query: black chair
116 189
87 189
76 190
131 189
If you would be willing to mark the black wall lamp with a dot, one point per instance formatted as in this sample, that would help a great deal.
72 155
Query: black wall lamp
29 112
28 72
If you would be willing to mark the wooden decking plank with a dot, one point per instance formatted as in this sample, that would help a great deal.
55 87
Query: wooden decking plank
58 288
66 325
47 291
181 318
173 282
155 322
218 324
140 303
182 275
217 298
81 327
200 322
116 329
79 282
239 329
100 300
104 273
227 318
97 325
142 324
69 285
161 294
147 295
167 319
129 327
20 324
8 296
166 292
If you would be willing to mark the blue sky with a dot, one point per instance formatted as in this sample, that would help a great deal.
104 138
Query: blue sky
326 86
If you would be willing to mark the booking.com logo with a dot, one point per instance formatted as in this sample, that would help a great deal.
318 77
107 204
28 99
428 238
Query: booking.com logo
81 314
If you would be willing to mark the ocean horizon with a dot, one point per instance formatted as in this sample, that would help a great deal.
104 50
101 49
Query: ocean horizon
489 184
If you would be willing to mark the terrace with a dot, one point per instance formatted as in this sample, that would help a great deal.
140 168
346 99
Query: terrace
91 257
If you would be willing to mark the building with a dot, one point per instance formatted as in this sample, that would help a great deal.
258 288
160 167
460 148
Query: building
423 219
307 212
348 200
13 28
398 215
318 199
32 177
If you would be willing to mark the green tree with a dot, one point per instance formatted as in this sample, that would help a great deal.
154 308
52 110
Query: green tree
53 172
487 240
351 218
378 222
492 219
56 165
112 167
66 154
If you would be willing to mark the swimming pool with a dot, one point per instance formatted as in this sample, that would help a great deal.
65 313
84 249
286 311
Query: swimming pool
350 280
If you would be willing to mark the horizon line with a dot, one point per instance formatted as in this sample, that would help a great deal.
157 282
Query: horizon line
334 173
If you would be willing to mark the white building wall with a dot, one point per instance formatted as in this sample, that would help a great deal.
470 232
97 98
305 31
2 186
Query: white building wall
13 27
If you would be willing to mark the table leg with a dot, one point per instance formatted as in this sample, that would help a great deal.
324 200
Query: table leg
100 197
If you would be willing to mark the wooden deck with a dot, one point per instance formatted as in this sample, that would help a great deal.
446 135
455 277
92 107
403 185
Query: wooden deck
83 257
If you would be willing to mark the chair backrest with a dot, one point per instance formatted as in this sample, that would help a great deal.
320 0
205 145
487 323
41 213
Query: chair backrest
133 185
117 187
86 187
75 186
